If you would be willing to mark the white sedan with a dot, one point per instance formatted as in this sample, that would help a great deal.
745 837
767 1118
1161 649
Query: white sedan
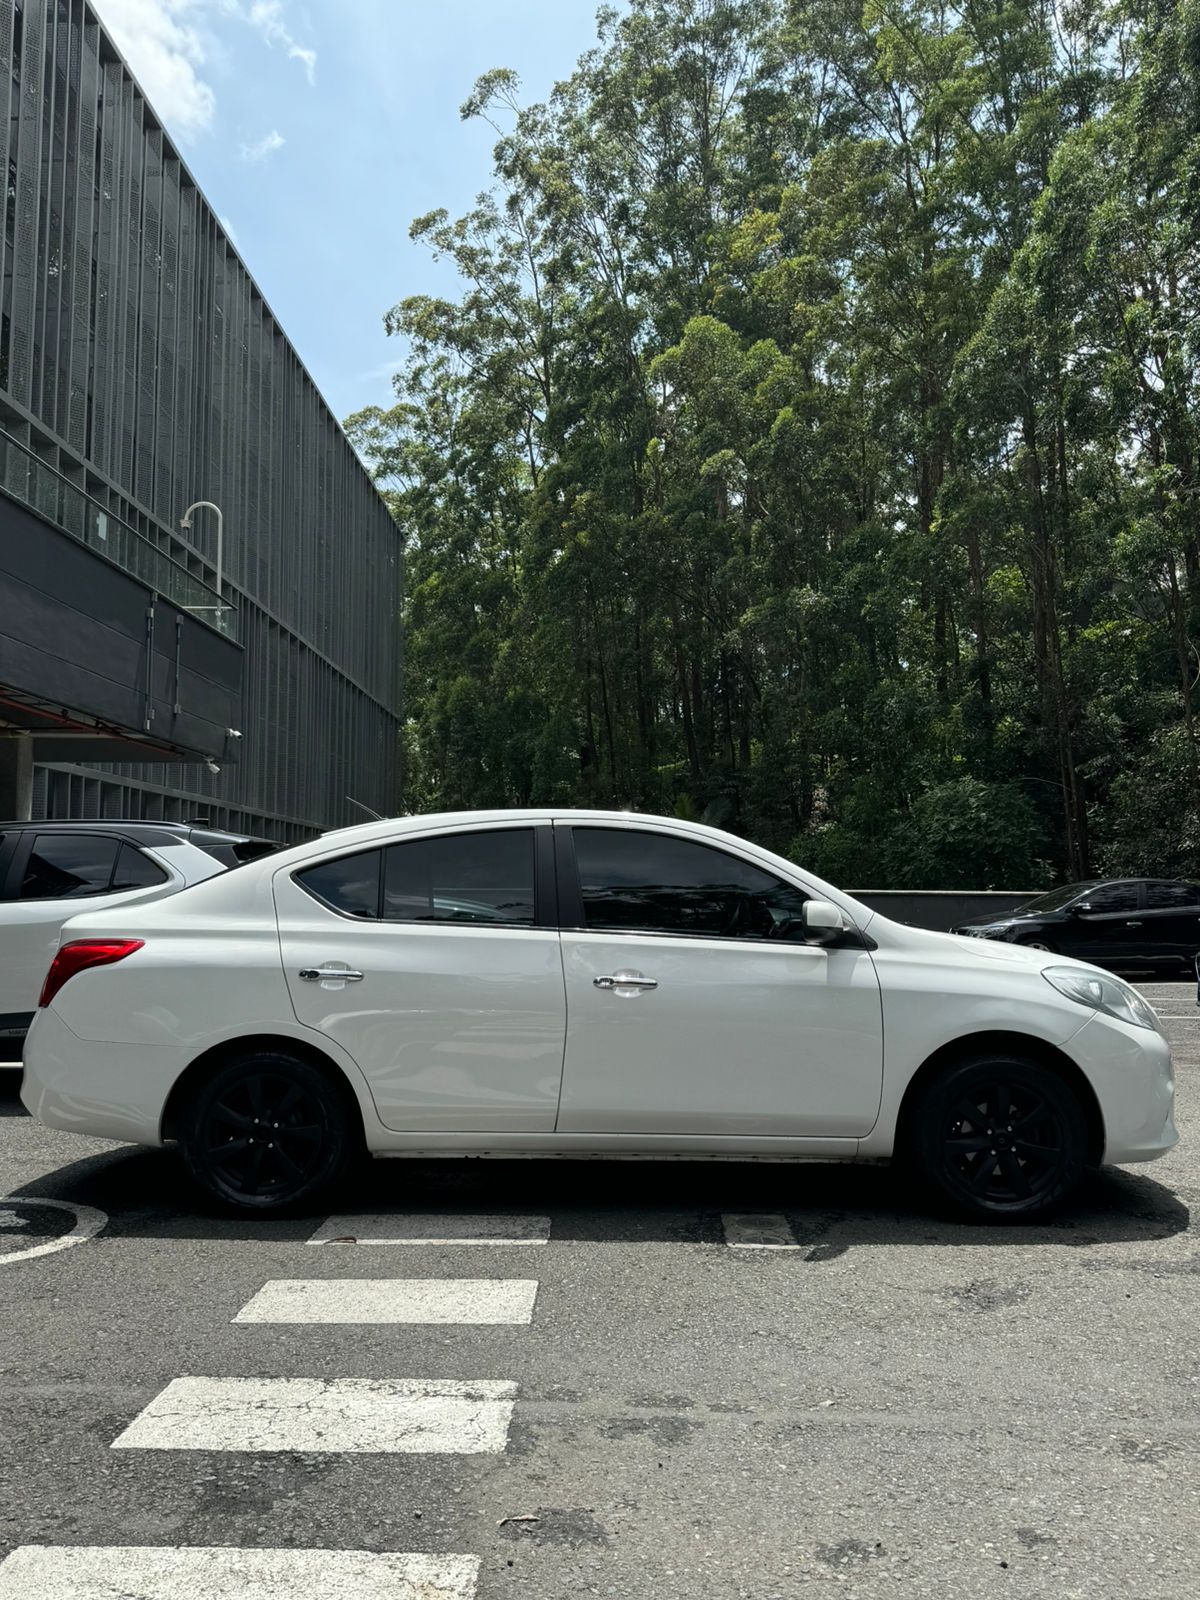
561 983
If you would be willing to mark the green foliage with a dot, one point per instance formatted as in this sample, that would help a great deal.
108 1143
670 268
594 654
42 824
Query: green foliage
814 446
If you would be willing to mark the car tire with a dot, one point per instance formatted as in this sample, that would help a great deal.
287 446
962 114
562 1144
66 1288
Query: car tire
1039 944
999 1138
310 1134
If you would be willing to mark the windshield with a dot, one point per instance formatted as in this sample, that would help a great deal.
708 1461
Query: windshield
1056 899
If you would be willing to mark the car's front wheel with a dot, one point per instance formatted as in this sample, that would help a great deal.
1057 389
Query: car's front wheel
1000 1138
268 1132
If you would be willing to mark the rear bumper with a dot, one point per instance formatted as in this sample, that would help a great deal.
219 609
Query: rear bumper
110 1091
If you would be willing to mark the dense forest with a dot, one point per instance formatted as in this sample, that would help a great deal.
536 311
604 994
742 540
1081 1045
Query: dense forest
814 446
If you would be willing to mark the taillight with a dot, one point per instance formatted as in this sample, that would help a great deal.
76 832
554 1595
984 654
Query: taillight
81 953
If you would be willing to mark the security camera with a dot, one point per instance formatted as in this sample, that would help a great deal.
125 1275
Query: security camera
211 764
233 733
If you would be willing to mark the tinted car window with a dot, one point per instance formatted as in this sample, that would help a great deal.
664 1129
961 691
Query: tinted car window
136 871
350 884
1171 896
463 877
655 883
69 868
1111 897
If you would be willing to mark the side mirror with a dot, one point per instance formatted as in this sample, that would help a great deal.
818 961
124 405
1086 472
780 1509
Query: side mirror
1083 907
822 921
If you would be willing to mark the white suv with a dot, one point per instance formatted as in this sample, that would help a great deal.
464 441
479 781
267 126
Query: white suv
50 871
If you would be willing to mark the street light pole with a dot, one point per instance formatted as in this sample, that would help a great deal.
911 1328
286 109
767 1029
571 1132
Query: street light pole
186 522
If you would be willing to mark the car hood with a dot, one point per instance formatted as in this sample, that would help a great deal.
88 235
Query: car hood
961 952
1019 914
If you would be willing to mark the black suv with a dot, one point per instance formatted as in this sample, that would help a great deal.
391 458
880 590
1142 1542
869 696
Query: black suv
1138 924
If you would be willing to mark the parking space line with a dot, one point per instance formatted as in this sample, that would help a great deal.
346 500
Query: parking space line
88 1223
452 1300
100 1572
439 1416
758 1231
429 1228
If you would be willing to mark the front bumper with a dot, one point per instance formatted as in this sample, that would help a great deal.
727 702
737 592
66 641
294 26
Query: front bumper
1131 1071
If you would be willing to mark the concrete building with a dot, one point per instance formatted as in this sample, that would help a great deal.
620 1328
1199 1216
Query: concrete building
142 370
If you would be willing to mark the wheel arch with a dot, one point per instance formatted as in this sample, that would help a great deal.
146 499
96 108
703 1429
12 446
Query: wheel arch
1017 1044
207 1063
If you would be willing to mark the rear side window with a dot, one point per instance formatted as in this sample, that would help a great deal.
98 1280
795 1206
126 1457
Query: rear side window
1171 896
462 877
349 885
136 871
69 867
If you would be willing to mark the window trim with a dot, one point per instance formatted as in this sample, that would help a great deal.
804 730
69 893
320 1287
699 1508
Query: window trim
570 893
544 896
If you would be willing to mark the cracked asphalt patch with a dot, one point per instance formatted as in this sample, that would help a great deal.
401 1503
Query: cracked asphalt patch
900 1406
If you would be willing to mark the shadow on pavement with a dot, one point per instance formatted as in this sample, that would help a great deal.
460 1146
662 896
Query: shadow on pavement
832 1208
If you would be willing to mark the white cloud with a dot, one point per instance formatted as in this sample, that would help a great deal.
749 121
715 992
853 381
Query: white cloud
264 147
167 42
160 41
267 17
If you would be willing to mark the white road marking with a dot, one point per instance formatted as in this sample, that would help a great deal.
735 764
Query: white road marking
421 1415
462 1300
758 1231
133 1572
433 1229
88 1222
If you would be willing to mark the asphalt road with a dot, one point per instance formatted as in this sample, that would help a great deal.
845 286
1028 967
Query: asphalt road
894 1406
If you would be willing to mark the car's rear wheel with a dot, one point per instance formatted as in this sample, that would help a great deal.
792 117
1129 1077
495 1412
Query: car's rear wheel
1000 1138
268 1132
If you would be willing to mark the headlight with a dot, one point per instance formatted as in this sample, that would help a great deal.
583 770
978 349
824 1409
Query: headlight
1102 992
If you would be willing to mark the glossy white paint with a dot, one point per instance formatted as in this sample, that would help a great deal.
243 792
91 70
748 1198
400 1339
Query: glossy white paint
455 1027
743 1049
681 1058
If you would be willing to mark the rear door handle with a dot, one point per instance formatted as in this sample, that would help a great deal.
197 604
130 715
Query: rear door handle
316 974
1133 924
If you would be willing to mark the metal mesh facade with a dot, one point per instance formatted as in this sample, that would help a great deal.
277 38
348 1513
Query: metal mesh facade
139 359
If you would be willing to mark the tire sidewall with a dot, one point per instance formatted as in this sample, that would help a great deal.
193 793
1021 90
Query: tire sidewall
936 1104
338 1145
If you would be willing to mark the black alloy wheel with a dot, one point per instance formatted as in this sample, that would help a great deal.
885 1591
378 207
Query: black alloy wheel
1001 1138
267 1132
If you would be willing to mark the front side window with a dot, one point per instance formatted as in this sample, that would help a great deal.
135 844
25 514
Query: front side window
349 885
1111 898
1172 896
69 867
633 880
462 877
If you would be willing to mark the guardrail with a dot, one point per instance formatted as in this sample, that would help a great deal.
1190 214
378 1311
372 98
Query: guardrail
941 909
37 485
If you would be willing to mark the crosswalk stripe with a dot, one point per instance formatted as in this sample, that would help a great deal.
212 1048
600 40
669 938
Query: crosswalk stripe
758 1231
431 1415
459 1300
219 1572
428 1228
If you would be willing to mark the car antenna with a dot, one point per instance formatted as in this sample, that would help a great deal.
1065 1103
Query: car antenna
367 809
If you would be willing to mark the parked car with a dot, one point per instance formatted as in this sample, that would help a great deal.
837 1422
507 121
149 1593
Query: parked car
1131 924
48 870
631 986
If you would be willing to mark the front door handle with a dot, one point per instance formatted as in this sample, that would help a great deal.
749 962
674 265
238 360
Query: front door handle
625 980
317 974
1133 924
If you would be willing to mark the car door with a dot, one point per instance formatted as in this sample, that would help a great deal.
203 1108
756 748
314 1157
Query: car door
452 1003
1171 922
692 1006
52 877
1106 925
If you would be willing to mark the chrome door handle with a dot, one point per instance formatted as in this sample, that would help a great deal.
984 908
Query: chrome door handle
625 980
316 974
1133 924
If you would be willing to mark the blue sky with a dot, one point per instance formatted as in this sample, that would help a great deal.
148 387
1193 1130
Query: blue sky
318 129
